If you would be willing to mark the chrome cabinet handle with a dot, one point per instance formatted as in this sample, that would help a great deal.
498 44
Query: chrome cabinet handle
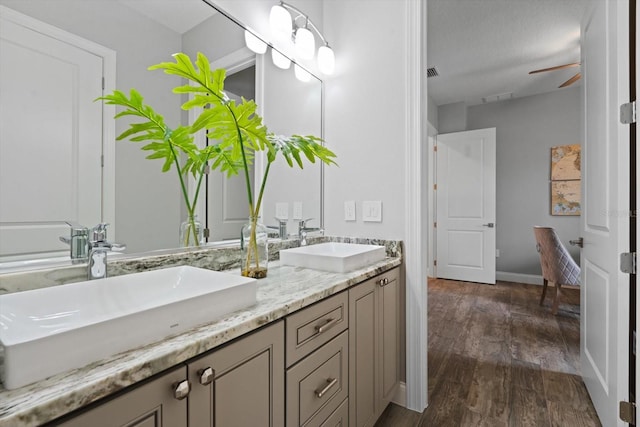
181 389
330 383
205 376
579 242
324 328
489 224
383 282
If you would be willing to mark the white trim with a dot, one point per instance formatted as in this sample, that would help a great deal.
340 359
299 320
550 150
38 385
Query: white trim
400 397
416 205
531 279
108 111
432 133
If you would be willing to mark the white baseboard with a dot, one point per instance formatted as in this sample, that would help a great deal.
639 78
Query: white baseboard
531 279
400 398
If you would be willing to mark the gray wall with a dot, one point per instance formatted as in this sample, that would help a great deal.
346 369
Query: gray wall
526 130
452 117
432 112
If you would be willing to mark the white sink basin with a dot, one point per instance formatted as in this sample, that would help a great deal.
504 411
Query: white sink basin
333 256
52 330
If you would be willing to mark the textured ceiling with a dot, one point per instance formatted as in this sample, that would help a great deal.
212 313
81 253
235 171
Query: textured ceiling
483 48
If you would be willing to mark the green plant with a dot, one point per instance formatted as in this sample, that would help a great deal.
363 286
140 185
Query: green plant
236 126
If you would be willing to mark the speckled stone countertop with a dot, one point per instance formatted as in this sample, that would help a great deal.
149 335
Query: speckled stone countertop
285 290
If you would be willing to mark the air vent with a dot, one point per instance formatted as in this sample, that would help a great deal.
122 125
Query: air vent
497 97
432 72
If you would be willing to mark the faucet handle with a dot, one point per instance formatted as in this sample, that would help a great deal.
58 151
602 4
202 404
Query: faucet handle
281 220
303 223
99 232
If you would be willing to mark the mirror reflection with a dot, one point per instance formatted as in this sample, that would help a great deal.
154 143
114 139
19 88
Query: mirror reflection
59 161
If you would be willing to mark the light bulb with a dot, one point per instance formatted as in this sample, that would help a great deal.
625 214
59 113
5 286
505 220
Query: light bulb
305 43
279 60
254 43
326 60
280 21
301 74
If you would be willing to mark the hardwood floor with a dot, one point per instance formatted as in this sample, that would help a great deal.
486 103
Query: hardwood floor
496 358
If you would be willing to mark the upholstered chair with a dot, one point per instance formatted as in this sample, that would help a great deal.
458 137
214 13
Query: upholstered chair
558 267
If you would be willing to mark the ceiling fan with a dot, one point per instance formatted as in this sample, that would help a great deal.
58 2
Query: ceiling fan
569 82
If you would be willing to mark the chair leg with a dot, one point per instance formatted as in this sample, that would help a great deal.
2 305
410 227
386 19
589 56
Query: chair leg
556 300
545 282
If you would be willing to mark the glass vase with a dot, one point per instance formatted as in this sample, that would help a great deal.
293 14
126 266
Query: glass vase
255 252
191 232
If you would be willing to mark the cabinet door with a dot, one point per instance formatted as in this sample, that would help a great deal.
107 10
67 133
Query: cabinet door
363 347
241 384
152 404
388 293
374 346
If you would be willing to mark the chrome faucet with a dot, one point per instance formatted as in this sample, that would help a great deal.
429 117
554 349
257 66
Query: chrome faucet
282 228
303 230
78 242
98 248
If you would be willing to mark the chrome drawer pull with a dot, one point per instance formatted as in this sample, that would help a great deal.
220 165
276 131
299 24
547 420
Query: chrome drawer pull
330 324
181 389
330 383
205 376
383 282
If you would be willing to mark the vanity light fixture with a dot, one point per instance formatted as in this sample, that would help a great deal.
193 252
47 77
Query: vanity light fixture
301 74
254 43
290 25
279 60
301 31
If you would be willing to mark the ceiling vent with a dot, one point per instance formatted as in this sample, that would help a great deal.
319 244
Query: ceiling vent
432 72
498 97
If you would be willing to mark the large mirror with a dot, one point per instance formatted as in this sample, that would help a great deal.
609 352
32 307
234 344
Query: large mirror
71 49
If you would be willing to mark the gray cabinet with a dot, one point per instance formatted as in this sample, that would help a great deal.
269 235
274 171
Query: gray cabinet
374 346
156 403
241 384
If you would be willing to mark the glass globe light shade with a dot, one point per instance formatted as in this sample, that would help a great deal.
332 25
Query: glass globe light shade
305 43
326 60
254 43
301 74
279 60
280 21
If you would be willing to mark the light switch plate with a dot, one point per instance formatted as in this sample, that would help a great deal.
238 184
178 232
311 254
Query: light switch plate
282 210
350 210
372 211
297 210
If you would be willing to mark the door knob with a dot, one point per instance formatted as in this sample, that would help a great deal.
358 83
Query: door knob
579 242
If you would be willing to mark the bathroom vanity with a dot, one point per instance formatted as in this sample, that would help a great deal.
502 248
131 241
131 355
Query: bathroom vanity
317 348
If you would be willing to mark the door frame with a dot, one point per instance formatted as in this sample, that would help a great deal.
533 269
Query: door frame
108 208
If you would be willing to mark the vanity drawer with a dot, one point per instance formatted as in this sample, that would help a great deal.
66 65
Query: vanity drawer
311 327
339 417
318 384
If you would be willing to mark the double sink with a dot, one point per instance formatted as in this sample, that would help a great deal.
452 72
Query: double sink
56 329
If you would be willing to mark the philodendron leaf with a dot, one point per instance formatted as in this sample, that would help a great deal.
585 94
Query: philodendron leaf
292 146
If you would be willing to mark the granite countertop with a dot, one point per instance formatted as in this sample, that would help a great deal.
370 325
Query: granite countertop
284 291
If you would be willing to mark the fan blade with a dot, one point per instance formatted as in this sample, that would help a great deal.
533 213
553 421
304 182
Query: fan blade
557 67
571 81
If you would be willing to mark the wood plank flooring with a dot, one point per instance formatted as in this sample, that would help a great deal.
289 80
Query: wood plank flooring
496 358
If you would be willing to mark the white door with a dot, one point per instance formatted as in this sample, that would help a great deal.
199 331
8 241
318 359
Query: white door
50 139
466 206
604 304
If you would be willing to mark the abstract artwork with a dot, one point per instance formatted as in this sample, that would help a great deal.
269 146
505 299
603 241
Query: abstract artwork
565 180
